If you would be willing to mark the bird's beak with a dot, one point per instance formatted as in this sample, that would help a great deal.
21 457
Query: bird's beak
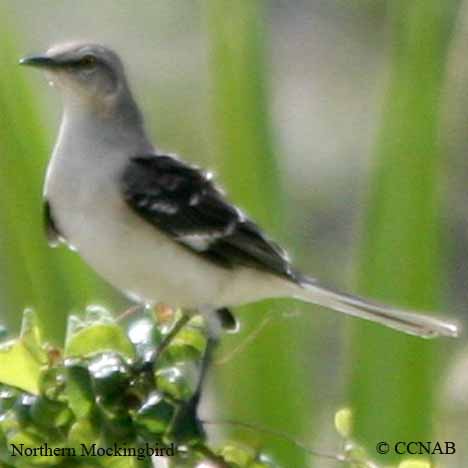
39 61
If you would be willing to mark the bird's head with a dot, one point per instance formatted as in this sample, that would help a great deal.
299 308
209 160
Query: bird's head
89 74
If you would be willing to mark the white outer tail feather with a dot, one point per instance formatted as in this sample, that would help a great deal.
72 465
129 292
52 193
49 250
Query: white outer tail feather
402 320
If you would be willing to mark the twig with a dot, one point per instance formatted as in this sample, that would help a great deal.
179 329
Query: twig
342 458
129 312
210 455
171 335
243 344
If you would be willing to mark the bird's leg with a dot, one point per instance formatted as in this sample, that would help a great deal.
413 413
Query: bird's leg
187 421
207 358
205 364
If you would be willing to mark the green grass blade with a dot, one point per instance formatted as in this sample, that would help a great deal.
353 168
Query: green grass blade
267 394
393 378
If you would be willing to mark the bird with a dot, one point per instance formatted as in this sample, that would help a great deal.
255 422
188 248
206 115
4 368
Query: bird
155 227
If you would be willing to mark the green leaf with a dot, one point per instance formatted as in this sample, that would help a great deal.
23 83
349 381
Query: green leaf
145 336
186 428
178 353
190 336
30 441
110 374
15 356
83 432
415 464
52 383
238 455
263 461
99 338
178 381
96 313
8 397
25 354
9 423
344 422
30 335
22 408
49 413
126 462
79 391
155 415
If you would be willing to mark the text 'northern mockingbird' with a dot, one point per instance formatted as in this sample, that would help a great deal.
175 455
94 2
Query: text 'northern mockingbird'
155 227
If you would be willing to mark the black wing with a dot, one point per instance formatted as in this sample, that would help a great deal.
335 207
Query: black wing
54 237
184 203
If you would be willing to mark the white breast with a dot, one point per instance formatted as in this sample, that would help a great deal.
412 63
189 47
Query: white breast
134 256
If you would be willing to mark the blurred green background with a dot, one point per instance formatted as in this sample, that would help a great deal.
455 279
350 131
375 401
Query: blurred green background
341 127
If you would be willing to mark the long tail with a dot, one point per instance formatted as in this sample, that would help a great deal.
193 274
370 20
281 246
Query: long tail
401 320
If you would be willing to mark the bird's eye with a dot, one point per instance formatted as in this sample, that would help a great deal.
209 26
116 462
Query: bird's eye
88 61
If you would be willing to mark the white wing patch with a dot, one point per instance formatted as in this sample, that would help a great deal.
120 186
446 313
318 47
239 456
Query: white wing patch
199 242
163 207
202 242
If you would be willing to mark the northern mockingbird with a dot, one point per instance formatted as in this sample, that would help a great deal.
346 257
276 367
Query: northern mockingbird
155 227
